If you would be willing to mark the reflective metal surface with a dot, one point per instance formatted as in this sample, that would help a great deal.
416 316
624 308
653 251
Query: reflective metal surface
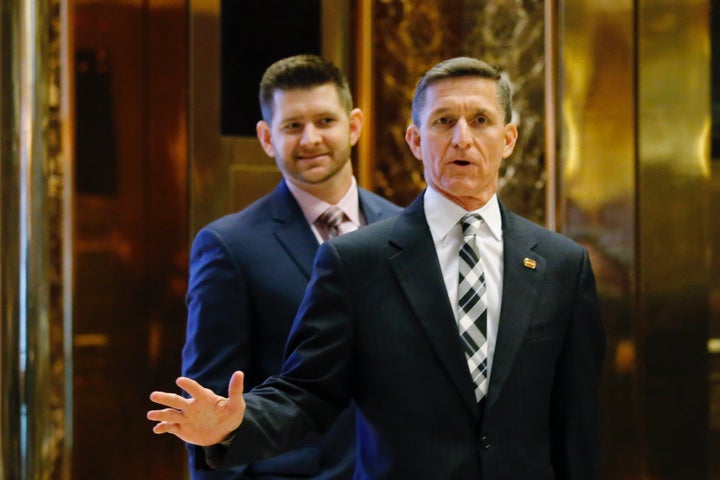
129 63
10 453
33 332
673 233
633 159
596 197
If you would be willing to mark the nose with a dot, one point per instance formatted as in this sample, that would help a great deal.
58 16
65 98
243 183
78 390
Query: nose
462 137
310 135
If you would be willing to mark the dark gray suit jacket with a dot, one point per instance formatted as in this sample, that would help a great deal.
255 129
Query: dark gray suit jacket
248 273
376 326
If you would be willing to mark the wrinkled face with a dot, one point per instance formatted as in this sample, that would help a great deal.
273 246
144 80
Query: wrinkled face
310 135
462 139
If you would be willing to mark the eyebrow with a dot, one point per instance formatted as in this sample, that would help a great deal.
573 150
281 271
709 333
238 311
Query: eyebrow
439 111
445 110
324 113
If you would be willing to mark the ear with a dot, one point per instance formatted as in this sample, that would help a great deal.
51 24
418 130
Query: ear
412 137
511 136
264 135
356 118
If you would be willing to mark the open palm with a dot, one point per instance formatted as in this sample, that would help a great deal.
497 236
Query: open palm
202 419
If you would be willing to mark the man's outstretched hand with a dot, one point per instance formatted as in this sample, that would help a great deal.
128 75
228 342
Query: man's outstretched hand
203 419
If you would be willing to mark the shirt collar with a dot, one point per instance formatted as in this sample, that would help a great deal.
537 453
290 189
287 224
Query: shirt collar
312 207
443 214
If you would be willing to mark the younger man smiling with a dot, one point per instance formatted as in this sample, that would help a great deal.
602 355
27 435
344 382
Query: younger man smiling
248 270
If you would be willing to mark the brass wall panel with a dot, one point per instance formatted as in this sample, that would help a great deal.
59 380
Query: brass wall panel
409 36
245 178
129 62
673 233
634 165
714 340
208 160
597 198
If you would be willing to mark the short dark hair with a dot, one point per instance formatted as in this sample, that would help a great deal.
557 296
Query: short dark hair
462 67
301 71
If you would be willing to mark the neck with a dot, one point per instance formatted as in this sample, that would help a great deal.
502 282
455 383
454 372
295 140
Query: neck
331 190
469 203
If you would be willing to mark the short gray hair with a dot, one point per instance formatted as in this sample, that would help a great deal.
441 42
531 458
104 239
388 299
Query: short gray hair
462 67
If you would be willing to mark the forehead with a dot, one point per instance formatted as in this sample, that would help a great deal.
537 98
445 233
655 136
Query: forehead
298 100
462 93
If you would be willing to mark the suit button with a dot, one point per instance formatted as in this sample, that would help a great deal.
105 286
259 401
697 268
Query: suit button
484 442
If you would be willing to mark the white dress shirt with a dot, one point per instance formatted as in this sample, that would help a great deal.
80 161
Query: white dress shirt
443 217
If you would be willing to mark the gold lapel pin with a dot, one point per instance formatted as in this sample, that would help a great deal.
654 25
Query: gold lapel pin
529 263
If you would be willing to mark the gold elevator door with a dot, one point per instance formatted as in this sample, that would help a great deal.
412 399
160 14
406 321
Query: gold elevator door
130 249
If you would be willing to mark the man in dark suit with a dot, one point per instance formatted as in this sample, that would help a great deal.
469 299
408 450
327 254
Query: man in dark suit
249 270
468 337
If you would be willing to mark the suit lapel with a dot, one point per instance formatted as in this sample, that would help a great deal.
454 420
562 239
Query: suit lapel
292 230
369 207
418 272
518 243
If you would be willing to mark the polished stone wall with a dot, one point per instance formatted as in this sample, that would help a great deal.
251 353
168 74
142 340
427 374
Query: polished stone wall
410 36
59 382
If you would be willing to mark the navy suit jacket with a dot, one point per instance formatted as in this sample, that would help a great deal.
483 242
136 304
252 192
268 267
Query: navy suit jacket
376 327
248 273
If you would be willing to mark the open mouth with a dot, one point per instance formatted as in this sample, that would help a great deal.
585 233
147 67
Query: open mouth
461 162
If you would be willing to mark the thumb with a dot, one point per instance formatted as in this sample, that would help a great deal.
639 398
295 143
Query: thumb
236 388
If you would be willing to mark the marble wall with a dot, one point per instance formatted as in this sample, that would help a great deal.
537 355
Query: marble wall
410 36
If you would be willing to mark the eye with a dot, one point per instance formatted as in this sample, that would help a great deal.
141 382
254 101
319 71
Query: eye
326 121
481 120
443 122
291 127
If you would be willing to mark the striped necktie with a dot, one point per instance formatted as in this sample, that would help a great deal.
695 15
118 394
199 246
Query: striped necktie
330 221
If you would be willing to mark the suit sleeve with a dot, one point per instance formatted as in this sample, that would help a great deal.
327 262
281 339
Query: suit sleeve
574 412
313 387
219 324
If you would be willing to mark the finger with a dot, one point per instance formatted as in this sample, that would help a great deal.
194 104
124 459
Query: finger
166 415
193 388
169 400
236 388
166 427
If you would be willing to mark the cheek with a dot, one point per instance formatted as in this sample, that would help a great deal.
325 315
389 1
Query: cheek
285 152
341 140
431 153
287 147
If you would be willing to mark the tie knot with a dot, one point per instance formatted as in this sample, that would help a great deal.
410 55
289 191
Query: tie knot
332 217
470 223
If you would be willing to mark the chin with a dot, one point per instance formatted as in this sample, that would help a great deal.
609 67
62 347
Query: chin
460 188
315 179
